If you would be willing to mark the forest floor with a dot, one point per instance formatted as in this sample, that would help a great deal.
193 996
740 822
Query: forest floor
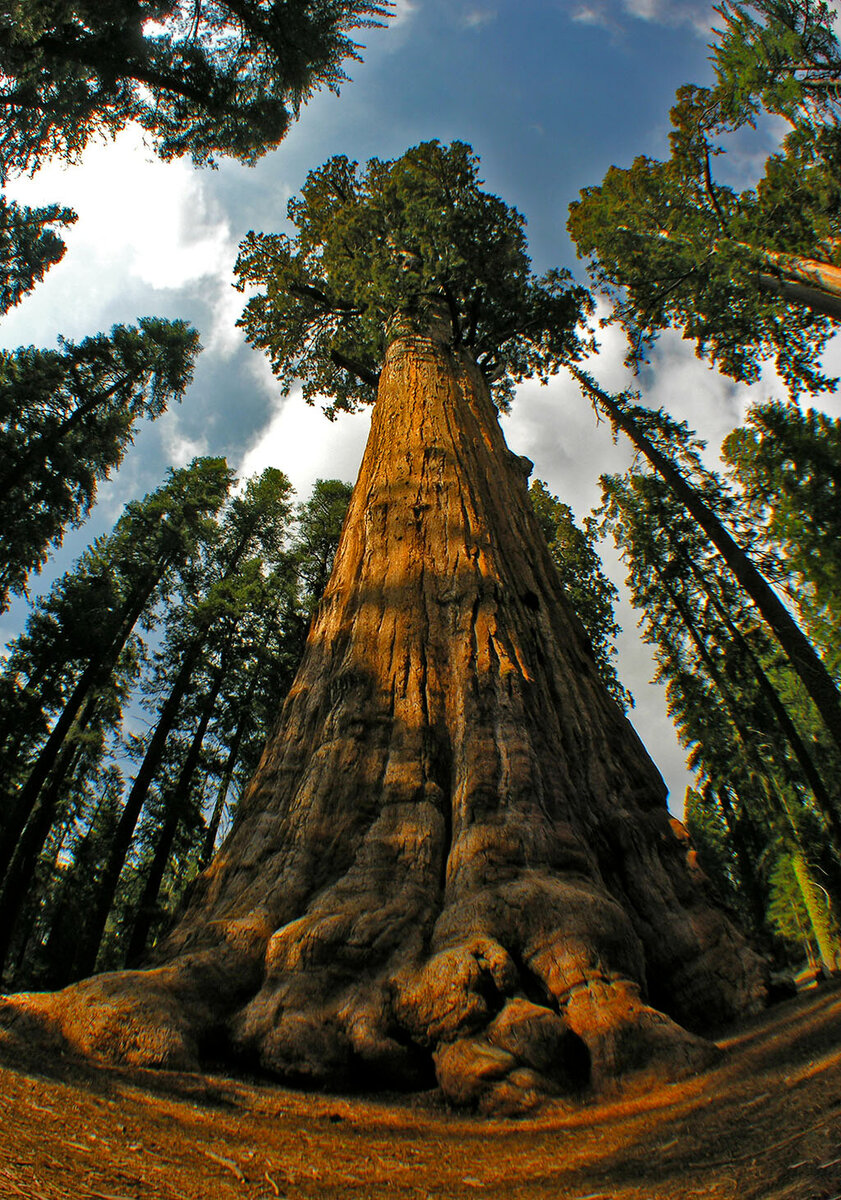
764 1125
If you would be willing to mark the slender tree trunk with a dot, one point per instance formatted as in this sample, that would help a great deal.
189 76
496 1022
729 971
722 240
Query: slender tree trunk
93 676
798 649
175 809
455 852
769 694
818 916
24 860
827 804
209 843
740 837
107 888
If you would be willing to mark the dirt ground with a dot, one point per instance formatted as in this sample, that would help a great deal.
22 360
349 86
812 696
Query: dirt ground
765 1125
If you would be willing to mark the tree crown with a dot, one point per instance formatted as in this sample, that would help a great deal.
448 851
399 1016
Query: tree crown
407 241
219 77
747 275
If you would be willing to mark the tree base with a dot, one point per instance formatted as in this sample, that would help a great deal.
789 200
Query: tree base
462 1017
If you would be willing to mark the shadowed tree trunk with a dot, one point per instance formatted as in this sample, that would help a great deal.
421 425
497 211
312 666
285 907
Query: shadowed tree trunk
455 850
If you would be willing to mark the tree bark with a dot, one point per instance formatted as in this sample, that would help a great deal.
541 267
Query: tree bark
455 852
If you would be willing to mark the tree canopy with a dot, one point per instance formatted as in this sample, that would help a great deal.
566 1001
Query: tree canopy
591 593
411 240
789 463
223 77
748 275
66 419
28 247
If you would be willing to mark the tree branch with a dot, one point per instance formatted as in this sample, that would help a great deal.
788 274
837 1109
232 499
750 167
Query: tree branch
358 369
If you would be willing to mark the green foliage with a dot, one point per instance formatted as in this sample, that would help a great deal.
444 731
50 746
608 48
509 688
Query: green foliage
410 242
789 463
780 56
66 419
742 274
319 525
713 842
223 77
590 592
800 909
28 247
69 671
76 622
787 911
228 599
752 735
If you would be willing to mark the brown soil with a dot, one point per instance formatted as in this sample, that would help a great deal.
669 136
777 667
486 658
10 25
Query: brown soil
765 1125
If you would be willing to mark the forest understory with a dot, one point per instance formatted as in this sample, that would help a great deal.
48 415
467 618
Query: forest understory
764 1125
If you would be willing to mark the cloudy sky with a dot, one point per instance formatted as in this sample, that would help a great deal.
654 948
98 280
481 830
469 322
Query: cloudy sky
550 93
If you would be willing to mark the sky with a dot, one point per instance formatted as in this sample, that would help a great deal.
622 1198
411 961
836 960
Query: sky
550 93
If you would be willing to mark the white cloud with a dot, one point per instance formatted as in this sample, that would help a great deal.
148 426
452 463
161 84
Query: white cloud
476 18
399 29
301 441
143 224
695 13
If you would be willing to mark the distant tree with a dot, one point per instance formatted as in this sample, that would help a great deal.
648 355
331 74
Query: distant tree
800 911
66 419
789 463
746 275
28 247
205 79
90 616
672 451
254 693
200 634
777 56
319 525
751 739
591 593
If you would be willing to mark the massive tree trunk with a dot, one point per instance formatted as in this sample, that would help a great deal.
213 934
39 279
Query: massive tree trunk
455 851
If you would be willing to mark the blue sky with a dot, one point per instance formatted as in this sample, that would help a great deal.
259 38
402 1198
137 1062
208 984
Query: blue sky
550 93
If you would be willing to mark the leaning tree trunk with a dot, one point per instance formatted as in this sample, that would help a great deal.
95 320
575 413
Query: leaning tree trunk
455 851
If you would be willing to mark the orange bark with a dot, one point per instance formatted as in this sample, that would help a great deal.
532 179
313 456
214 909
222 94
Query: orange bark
455 850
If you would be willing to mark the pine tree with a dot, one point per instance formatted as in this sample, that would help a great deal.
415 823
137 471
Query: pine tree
199 636
723 688
789 463
668 447
748 275
590 592
29 246
92 614
205 80
66 419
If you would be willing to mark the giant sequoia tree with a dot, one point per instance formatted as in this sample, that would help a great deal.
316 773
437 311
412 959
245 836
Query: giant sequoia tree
455 851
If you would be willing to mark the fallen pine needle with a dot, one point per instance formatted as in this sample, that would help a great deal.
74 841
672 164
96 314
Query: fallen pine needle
12 1184
110 1196
271 1183
226 1162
